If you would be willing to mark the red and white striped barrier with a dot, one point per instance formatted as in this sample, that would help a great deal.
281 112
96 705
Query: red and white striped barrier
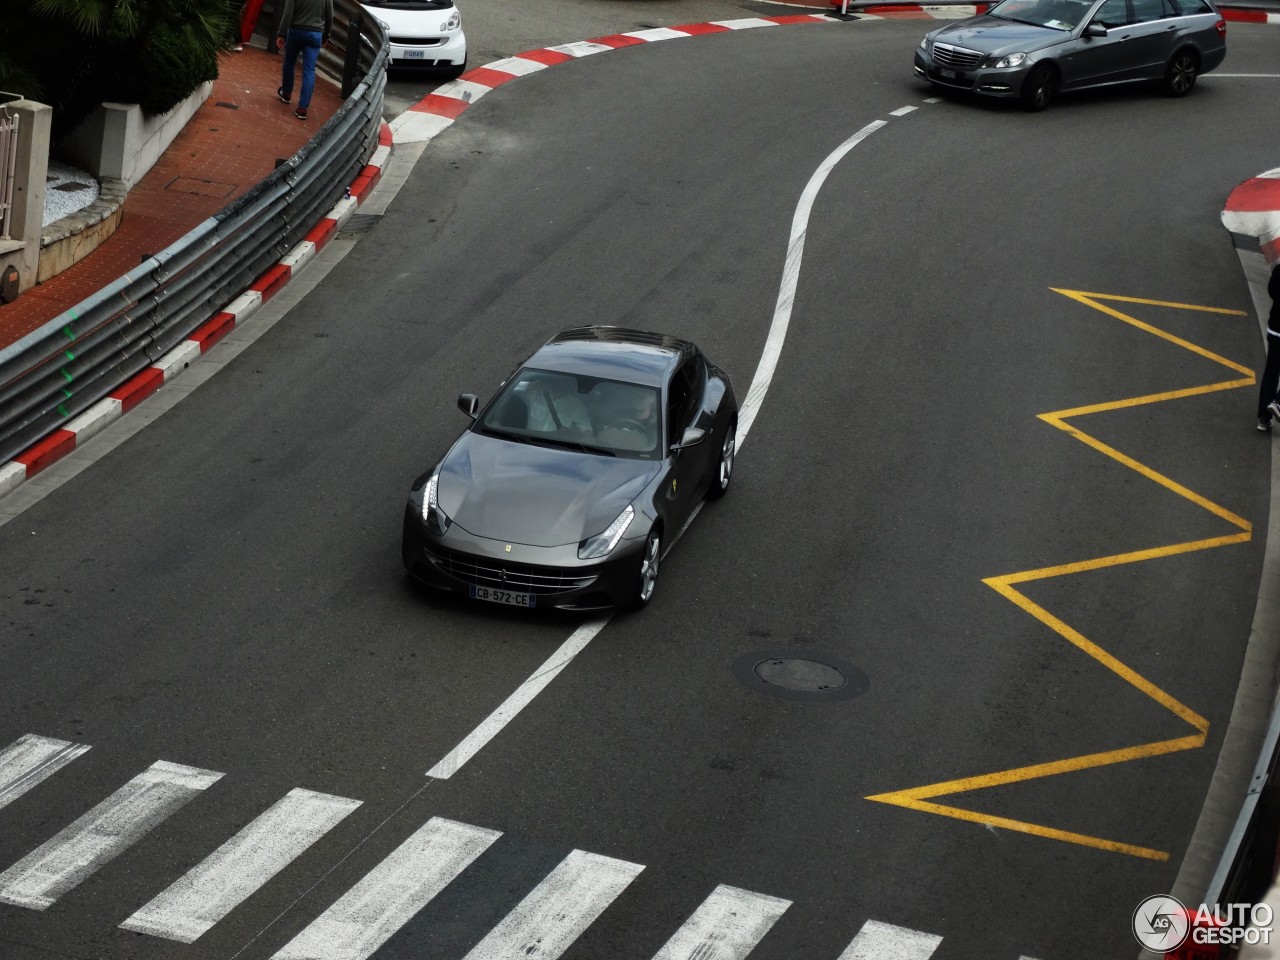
1253 212
142 385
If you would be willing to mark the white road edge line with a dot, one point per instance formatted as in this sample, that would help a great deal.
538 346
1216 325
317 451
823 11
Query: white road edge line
475 741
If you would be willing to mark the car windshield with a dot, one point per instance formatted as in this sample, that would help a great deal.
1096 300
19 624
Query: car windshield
603 417
1054 14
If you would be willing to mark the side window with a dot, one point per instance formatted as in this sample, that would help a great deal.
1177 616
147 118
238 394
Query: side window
1113 13
1189 7
681 398
1144 11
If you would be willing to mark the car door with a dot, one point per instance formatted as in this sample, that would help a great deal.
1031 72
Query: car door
1101 59
684 396
1155 27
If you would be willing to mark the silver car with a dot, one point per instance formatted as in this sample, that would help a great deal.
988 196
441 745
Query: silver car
1034 49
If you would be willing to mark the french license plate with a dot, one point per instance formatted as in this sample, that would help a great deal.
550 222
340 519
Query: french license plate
502 596
949 74
415 54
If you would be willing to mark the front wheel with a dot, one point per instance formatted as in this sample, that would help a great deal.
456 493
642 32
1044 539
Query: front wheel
724 466
1039 88
647 579
1180 76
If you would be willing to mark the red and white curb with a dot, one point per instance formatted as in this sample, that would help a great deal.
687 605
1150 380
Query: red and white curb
438 110
1237 15
142 385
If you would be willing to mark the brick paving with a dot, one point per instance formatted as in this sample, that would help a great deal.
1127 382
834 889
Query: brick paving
230 144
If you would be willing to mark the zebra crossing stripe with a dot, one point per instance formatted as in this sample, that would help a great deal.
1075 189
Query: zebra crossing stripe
102 834
727 926
233 872
389 895
29 760
883 941
558 910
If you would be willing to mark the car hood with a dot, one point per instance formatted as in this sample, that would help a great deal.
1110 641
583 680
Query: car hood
541 496
411 20
991 35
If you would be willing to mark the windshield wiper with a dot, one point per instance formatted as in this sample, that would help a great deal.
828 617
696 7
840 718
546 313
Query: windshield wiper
505 434
575 445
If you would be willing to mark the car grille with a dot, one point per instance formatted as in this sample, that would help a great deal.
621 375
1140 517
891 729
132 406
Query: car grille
417 41
520 577
958 57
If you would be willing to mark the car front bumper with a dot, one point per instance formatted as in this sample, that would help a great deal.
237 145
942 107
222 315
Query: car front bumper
988 81
554 576
447 50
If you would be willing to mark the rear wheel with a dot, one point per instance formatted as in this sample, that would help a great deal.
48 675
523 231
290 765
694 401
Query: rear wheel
724 466
1180 75
1039 88
647 579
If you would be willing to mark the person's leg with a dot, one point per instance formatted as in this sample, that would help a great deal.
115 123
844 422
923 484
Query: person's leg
311 41
1270 377
292 47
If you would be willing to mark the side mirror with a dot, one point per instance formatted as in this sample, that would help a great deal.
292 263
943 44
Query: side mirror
692 437
1095 30
469 404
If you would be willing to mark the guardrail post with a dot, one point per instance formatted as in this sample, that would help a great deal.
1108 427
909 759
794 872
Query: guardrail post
351 63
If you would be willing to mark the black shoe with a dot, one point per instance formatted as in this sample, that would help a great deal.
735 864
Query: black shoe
1264 424
281 96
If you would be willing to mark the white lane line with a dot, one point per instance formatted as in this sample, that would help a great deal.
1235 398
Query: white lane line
519 699
233 872
1241 76
389 895
102 834
549 919
932 99
727 926
883 941
790 275
902 111
29 760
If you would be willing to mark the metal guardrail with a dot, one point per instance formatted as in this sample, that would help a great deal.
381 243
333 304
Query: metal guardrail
60 370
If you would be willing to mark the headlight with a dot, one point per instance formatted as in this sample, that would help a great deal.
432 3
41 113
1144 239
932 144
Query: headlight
431 513
924 42
454 21
602 543
1012 60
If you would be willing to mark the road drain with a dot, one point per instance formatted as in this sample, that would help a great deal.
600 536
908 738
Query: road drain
805 677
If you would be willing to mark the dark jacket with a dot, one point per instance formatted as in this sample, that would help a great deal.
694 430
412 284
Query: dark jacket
1273 288
307 15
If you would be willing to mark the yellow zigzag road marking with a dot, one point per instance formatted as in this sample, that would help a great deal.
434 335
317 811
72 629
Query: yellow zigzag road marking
919 798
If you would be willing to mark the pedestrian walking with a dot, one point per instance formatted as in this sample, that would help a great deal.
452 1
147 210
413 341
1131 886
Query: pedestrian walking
1268 403
305 26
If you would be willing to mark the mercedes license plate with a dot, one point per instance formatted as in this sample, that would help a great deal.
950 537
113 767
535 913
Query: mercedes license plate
502 596
950 74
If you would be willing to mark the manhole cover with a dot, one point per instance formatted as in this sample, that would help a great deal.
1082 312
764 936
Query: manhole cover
792 675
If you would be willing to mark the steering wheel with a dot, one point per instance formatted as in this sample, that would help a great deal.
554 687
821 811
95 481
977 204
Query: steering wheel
631 426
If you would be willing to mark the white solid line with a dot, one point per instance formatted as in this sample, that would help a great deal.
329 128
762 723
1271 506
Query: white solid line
29 760
389 895
790 275
902 111
102 834
1239 76
233 872
883 941
727 926
519 699
559 909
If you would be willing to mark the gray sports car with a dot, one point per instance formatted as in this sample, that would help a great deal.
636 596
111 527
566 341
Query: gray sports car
1033 49
562 493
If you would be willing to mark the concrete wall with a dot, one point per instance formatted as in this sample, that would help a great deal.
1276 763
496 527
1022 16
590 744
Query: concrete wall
117 142
32 166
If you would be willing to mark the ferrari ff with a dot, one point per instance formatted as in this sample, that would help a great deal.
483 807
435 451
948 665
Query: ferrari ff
568 484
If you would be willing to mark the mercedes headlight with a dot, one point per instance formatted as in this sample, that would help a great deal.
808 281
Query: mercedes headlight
434 517
593 548
1012 60
924 42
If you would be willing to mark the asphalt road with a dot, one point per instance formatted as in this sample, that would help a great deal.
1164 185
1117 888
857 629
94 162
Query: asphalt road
223 590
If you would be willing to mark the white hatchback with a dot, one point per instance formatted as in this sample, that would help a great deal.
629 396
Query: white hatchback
424 33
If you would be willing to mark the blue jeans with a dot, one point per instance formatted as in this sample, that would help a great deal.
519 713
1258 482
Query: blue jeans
307 43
